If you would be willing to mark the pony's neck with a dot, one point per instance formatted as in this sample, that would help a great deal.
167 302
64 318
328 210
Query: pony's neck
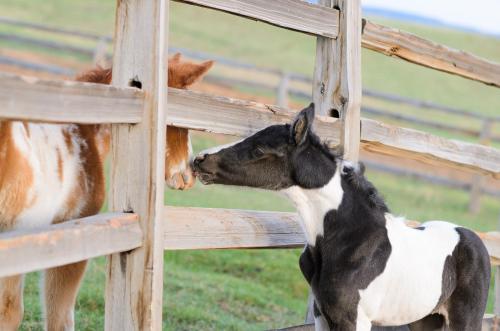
313 204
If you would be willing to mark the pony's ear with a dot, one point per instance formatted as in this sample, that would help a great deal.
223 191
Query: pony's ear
302 124
185 74
175 58
196 72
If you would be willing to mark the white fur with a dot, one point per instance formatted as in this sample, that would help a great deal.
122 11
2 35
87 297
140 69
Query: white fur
410 286
40 148
363 323
320 324
313 204
215 149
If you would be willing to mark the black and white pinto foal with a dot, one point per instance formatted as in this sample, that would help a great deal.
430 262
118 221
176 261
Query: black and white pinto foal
365 266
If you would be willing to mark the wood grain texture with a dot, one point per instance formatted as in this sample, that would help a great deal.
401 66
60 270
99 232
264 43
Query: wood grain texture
295 15
77 240
391 140
212 228
205 112
29 98
134 290
189 109
406 46
207 228
347 97
325 75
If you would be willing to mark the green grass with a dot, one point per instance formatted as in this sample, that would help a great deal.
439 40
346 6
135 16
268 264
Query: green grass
251 289
260 289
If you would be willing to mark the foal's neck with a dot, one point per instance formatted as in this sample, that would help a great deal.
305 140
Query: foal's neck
313 204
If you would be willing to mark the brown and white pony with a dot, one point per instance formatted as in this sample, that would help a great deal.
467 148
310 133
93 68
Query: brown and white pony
51 173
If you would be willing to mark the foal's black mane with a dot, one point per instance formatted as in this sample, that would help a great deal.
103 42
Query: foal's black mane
364 187
356 178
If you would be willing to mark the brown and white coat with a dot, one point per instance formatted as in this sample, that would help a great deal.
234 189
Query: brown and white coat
51 173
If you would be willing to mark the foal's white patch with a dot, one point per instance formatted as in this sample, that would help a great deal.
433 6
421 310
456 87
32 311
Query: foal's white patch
215 149
320 324
313 204
410 286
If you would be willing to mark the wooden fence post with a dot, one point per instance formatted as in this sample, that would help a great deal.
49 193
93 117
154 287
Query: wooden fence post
134 288
478 180
282 93
337 81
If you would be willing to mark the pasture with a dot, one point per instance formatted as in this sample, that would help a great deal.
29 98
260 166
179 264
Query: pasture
258 289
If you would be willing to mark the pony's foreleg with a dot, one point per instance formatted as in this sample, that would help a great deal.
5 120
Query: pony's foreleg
178 172
11 302
60 287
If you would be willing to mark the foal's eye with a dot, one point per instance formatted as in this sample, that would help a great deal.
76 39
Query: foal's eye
259 152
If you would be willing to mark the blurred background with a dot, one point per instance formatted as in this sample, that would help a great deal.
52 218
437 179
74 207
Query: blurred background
262 289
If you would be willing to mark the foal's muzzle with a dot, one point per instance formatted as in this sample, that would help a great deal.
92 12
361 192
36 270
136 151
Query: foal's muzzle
205 167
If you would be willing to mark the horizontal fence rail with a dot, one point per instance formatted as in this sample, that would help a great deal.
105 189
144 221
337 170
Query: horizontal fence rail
217 114
49 44
32 99
409 47
379 38
77 240
295 15
42 27
41 100
422 104
215 228
42 67
387 139
207 228
429 178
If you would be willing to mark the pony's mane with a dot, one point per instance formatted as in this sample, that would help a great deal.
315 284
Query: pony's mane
98 75
355 177
364 187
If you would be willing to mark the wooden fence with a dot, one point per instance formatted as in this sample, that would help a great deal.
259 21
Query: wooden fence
286 84
141 227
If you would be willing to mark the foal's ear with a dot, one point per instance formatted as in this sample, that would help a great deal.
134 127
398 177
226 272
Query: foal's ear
302 124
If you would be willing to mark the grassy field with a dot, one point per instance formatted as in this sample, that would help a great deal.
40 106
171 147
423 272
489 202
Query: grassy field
261 289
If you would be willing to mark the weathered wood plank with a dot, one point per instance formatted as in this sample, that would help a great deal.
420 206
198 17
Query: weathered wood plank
347 97
391 140
207 228
337 83
212 228
404 45
237 117
200 111
77 240
295 15
29 98
325 76
134 290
